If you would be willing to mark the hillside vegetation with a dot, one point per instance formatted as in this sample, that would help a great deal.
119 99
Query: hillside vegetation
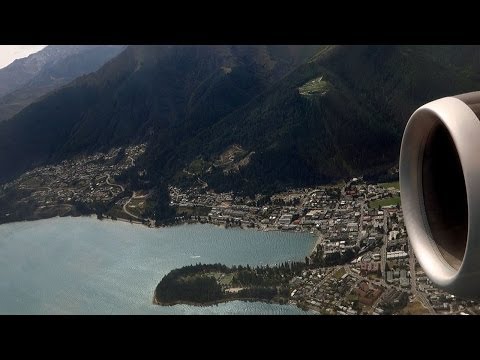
301 115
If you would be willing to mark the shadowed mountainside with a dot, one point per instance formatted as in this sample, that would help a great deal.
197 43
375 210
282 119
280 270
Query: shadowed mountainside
27 80
303 114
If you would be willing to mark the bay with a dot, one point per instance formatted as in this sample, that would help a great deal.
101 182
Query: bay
86 266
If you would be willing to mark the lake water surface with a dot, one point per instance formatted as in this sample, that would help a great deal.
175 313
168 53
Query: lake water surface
86 266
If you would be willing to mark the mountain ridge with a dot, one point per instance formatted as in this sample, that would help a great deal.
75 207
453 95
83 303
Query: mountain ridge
26 80
304 115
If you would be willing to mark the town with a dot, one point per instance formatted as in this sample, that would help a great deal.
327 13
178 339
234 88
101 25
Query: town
361 262
71 187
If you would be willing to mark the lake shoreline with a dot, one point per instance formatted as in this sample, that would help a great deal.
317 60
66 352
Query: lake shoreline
80 265
221 226
155 301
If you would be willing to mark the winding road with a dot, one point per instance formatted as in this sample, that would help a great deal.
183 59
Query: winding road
113 184
128 212
134 196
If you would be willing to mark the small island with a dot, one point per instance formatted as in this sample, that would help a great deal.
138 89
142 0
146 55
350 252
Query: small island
209 284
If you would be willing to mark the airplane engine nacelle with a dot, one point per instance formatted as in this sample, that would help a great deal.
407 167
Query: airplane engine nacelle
440 191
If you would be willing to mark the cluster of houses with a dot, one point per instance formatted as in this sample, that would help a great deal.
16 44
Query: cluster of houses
84 179
321 290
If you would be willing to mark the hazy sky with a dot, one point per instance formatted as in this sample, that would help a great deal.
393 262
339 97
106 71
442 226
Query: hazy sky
8 53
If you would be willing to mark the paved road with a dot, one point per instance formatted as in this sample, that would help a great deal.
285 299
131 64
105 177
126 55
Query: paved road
134 196
360 223
309 195
349 271
113 184
382 284
378 301
203 183
413 283
383 251
328 275
125 210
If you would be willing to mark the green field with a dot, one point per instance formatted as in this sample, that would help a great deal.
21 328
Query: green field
315 86
394 184
139 206
117 212
339 273
351 297
223 279
384 202
414 308
195 210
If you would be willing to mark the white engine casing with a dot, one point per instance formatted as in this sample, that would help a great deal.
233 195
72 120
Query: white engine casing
440 191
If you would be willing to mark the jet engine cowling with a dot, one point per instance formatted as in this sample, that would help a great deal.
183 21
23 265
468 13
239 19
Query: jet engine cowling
440 191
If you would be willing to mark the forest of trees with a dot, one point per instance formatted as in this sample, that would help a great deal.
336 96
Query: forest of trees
181 285
193 284
11 209
353 128
195 289
324 260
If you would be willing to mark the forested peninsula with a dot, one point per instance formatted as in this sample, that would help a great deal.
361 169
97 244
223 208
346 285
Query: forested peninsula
208 284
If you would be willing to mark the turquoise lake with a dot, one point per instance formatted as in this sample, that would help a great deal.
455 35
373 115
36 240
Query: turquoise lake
86 266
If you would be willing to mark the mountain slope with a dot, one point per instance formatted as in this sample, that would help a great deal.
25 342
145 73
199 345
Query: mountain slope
296 115
351 126
21 71
26 80
145 90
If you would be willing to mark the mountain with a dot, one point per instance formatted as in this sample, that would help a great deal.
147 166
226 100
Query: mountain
145 90
340 114
26 80
249 118
21 71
